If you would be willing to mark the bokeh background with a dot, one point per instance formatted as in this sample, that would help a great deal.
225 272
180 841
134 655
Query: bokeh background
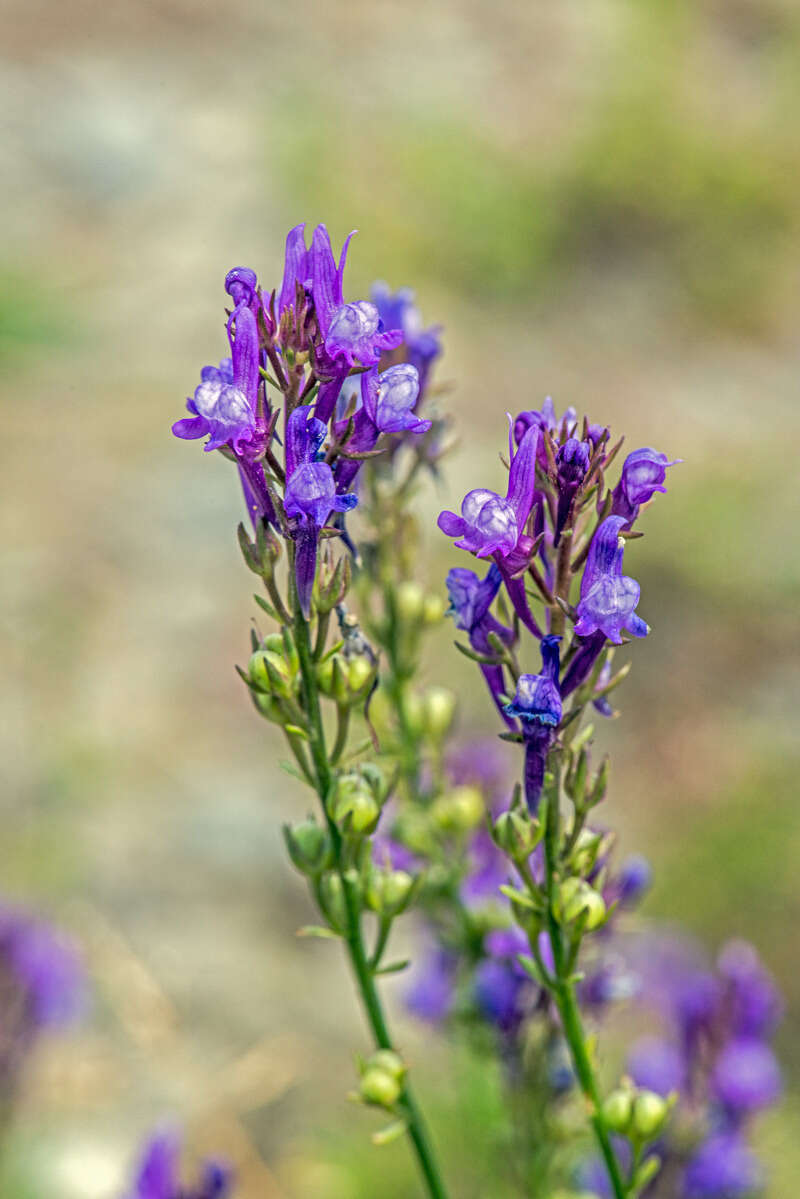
599 200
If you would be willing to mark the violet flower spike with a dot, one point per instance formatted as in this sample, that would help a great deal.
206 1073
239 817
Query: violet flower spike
608 598
310 496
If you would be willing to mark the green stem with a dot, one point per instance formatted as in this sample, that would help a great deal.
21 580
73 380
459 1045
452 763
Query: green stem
359 962
566 1001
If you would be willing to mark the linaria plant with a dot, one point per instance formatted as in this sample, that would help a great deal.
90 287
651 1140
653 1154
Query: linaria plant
328 409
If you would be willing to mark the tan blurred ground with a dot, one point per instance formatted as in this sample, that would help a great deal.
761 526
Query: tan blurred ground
599 201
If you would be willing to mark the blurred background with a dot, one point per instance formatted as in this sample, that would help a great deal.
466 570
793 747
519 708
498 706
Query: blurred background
599 201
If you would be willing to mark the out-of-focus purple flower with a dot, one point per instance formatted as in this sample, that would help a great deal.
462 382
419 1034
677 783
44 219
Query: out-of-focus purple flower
657 1065
498 991
632 880
746 1076
643 474
398 311
45 967
431 995
158 1175
488 870
754 1001
310 496
722 1168
470 601
608 598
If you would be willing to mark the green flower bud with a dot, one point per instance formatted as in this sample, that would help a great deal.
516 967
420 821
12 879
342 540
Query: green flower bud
584 855
649 1114
415 716
274 643
388 891
438 705
574 898
354 807
360 673
388 1060
459 810
617 1110
379 1087
410 601
433 609
308 846
270 672
324 672
516 833
332 901
269 707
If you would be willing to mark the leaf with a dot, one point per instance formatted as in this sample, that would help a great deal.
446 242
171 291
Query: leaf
393 967
268 608
390 1133
317 930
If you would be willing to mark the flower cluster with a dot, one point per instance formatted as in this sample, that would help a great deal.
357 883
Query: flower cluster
298 345
158 1173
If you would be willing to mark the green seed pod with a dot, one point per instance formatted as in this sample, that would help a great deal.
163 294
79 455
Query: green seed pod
516 833
270 672
438 707
360 674
308 846
332 901
410 601
388 1060
617 1110
355 808
389 891
459 810
574 898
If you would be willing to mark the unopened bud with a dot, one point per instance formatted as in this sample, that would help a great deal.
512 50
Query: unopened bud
617 1110
649 1114
516 833
410 601
360 673
459 810
388 1060
433 609
308 846
587 847
438 705
355 808
324 674
269 707
379 1087
270 672
332 901
388 891
575 898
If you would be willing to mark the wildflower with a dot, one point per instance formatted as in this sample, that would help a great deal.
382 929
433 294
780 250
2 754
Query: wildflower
658 1065
470 601
387 403
310 496
722 1168
746 1076
643 474
158 1173
608 598
538 705
572 463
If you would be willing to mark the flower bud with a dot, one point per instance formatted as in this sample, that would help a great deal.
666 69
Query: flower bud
332 901
649 1114
438 706
308 846
388 1060
389 891
410 601
575 898
415 716
270 672
269 707
433 609
324 672
516 833
379 1087
584 854
459 810
274 643
355 807
360 674
618 1109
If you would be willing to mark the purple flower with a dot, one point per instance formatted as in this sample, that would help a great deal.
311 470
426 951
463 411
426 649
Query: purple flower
572 463
498 991
545 419
310 496
538 699
751 993
488 869
350 332
225 403
657 1065
608 598
643 474
390 400
470 601
722 1168
158 1174
538 705
746 1077
398 311
432 993
44 966
633 879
